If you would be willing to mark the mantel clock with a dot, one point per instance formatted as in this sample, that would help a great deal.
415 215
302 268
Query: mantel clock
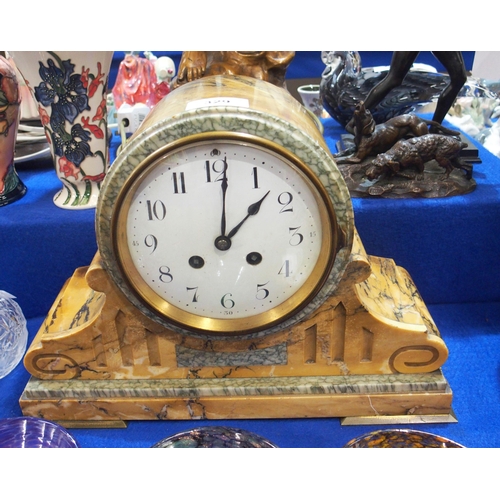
230 281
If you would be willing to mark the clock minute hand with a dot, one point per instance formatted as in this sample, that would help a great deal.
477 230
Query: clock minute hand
224 189
253 209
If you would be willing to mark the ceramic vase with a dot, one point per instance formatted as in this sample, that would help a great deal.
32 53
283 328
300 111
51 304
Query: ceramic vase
311 99
70 90
11 186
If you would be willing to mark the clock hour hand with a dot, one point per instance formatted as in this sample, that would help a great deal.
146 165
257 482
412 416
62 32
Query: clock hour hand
253 209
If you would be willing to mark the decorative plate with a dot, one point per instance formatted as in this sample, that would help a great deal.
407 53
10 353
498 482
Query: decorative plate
215 437
401 438
31 432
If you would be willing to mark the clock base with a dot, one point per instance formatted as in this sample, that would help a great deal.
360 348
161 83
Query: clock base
418 397
372 349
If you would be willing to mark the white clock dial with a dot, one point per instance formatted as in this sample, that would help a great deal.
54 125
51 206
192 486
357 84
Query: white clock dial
224 231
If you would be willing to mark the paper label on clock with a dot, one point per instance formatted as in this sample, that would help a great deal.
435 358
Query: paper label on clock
218 101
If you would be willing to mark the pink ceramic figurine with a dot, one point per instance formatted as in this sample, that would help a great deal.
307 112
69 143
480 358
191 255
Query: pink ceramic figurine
137 82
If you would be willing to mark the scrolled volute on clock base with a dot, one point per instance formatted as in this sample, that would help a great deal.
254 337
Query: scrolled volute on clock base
210 295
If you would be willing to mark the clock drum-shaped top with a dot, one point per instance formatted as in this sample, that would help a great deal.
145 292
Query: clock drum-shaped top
225 214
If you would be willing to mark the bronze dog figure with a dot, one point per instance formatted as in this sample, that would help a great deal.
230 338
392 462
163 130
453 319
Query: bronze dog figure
415 152
371 139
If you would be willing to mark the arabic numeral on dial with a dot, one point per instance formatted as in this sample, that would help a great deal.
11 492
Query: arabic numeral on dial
156 210
195 294
151 242
217 167
255 178
285 199
226 301
262 293
165 275
296 238
285 269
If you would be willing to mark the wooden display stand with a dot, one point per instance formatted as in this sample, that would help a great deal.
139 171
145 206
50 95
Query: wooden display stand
371 350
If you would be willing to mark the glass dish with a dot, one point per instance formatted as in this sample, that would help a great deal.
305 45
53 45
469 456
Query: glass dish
401 438
215 437
31 432
13 333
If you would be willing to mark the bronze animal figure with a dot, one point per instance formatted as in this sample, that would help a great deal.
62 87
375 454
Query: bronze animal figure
400 66
344 83
401 63
371 139
414 153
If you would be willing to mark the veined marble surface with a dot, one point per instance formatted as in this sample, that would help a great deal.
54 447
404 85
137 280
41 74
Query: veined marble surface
281 386
275 355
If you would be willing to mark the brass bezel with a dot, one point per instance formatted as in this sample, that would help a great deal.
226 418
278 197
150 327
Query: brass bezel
192 323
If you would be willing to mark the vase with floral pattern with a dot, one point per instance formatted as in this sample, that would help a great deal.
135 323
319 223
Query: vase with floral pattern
70 90
11 186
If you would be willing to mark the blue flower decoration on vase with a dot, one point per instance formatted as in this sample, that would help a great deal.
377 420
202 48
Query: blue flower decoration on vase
64 92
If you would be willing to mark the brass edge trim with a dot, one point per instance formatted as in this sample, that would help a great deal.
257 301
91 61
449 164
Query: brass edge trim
332 240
